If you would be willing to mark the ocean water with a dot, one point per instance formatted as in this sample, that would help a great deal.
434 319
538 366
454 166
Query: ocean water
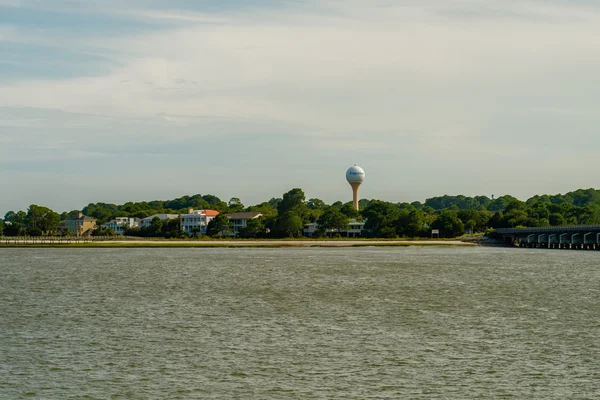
299 323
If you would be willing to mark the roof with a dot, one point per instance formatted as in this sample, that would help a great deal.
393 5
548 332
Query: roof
244 215
162 217
82 218
195 213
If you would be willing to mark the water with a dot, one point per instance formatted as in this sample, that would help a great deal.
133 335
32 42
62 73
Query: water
360 323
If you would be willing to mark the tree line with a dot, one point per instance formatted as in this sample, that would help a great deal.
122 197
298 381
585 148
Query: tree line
286 216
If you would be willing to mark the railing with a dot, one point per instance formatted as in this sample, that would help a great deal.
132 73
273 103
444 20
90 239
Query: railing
566 228
56 239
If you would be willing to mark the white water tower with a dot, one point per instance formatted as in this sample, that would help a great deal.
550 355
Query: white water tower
355 176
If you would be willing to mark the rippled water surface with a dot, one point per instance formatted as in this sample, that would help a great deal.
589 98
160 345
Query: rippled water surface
359 323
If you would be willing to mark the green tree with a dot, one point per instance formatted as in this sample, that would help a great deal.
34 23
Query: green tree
349 211
316 204
172 229
381 217
254 228
265 208
218 226
294 201
290 225
104 232
235 205
556 219
334 219
41 219
412 223
449 224
156 228
14 223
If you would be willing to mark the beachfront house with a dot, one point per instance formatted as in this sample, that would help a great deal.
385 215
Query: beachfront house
355 229
196 221
240 220
146 222
79 226
120 224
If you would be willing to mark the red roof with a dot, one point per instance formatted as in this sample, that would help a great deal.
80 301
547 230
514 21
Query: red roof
211 213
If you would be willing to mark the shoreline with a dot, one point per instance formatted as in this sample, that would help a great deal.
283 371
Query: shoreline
241 244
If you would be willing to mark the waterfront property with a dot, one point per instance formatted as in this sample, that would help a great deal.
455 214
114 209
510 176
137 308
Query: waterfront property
196 221
146 222
355 229
586 237
240 221
120 224
79 226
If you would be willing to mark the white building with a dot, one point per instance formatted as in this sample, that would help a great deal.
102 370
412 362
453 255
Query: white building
240 220
196 221
355 229
146 222
119 224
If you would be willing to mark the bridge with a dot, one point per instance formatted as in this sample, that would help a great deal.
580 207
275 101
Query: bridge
580 237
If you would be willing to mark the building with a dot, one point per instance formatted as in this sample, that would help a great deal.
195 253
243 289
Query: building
80 225
119 224
196 221
355 229
240 220
146 222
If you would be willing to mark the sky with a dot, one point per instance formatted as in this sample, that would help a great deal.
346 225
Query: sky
115 101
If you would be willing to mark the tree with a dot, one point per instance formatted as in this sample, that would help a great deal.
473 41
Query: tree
41 219
290 225
412 222
349 211
155 228
235 205
449 224
333 219
381 218
218 226
14 223
265 208
556 219
316 204
172 229
104 232
254 228
293 201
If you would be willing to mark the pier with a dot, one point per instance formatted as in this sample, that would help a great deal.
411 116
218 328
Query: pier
575 237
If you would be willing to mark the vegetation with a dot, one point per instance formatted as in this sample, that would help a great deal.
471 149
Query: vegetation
286 217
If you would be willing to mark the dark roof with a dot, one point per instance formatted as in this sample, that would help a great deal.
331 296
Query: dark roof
83 218
244 215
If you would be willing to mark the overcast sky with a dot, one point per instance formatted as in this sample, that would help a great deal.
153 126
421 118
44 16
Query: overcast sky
119 101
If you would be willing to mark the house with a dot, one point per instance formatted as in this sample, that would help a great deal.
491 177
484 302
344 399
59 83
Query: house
355 229
240 220
80 225
119 224
196 221
146 222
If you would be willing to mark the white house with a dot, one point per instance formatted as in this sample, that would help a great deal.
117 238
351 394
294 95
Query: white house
355 229
240 220
119 224
196 221
146 222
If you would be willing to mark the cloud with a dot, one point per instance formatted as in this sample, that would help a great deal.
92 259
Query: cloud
396 84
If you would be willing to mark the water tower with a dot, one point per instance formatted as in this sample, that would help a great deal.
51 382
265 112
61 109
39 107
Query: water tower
355 176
